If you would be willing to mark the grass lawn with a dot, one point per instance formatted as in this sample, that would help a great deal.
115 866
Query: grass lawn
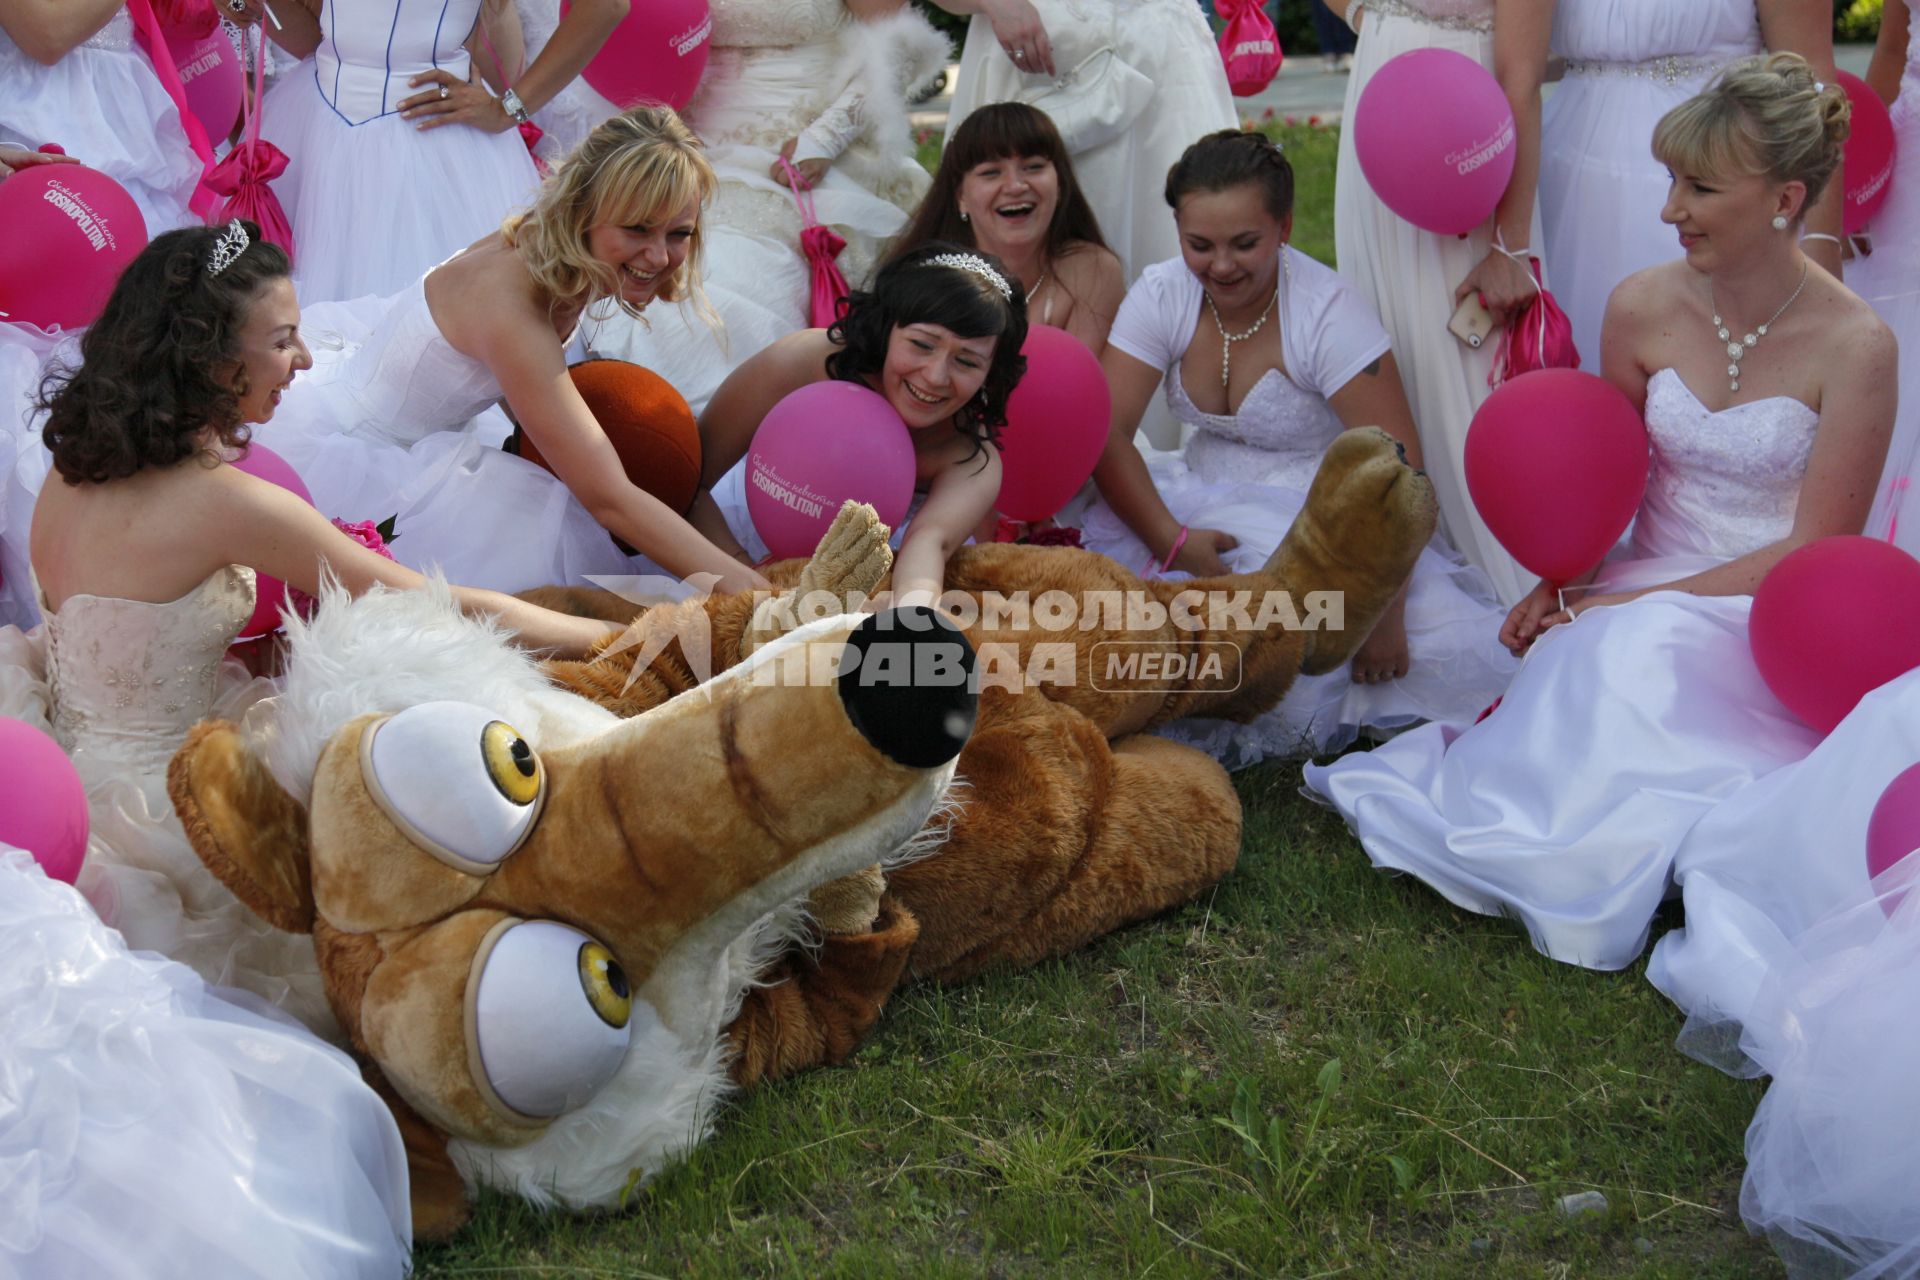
1318 1070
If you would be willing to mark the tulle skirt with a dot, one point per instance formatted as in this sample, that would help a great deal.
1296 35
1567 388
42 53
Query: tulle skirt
375 205
1458 665
1566 807
151 1128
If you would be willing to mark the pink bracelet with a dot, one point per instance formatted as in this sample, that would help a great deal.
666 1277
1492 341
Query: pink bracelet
1179 541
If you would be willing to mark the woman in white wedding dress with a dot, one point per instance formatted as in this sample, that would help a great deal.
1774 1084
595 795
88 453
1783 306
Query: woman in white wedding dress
823 86
1268 356
1567 805
397 154
1414 278
1629 62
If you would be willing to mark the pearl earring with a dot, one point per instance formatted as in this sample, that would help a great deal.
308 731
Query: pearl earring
964 218
1779 221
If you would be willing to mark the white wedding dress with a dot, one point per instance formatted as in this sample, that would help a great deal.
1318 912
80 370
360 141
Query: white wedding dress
1248 474
150 1125
393 422
373 200
1890 280
1568 805
1409 276
801 69
1629 62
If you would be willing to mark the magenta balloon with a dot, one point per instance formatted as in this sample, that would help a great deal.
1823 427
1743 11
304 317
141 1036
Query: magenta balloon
1869 156
1435 138
820 446
68 233
1556 464
1893 831
1833 621
268 593
1057 425
656 54
43 807
210 73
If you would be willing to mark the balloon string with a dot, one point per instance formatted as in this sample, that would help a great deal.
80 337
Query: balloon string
1562 593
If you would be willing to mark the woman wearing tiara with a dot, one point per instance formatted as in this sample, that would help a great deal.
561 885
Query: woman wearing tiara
1638 708
398 155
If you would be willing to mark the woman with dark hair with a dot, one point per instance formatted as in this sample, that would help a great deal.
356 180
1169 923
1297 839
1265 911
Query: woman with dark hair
1267 355
939 337
1006 186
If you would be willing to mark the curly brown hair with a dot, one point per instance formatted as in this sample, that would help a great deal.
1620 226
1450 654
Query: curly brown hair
149 380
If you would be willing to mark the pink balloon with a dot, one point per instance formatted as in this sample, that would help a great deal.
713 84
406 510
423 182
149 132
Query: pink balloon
1435 138
1057 424
70 231
1834 621
268 593
1556 464
1893 831
210 73
656 54
1869 154
43 807
821 445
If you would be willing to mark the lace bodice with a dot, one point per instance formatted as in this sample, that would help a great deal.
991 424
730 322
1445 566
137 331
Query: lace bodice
1276 438
741 24
406 381
1464 15
1722 484
129 678
770 71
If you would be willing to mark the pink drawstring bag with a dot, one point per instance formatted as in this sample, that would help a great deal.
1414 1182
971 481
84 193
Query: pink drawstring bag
196 18
820 246
243 176
1248 45
1539 337
147 31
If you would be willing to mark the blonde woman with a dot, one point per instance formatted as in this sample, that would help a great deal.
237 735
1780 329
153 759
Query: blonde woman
393 422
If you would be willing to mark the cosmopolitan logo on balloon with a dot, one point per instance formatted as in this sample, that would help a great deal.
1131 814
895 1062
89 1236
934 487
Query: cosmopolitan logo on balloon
687 41
1468 159
190 71
92 225
795 497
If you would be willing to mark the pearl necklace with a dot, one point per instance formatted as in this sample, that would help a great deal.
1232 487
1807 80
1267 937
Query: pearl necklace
1037 286
1737 348
1228 339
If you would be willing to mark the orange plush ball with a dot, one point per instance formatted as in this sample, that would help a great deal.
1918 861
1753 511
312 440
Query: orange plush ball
651 427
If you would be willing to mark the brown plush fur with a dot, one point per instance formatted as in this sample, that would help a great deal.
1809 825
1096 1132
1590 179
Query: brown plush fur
1073 824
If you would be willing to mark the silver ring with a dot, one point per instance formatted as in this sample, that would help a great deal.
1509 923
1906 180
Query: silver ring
1019 53
445 92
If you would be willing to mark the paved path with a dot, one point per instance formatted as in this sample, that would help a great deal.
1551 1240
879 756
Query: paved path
1304 89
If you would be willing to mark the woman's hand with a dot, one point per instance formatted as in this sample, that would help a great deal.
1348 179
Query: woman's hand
1528 618
811 170
451 100
741 578
1199 555
13 159
1504 286
1017 26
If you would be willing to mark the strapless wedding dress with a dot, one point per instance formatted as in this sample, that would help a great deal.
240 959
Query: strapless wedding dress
149 1124
1567 806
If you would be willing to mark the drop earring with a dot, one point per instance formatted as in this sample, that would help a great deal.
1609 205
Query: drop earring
1779 221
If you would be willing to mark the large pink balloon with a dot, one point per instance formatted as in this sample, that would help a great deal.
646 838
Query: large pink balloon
656 54
43 807
210 73
821 445
269 593
1834 621
1893 831
1057 423
1869 157
1435 138
1556 464
68 233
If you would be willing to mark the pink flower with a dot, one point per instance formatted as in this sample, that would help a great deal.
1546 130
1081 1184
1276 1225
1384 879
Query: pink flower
1313 121
1267 114
1292 121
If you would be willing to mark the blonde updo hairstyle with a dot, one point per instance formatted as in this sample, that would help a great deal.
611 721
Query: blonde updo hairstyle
639 167
1765 116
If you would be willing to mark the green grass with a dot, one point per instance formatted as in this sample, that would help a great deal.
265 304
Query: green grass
1073 1120
1161 1103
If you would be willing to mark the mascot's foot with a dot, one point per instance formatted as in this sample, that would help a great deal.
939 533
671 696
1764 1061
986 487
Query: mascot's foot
853 558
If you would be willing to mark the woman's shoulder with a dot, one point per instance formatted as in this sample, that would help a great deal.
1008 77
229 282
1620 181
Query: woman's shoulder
1852 337
1085 260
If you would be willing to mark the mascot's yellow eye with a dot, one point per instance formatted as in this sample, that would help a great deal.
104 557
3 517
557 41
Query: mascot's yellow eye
605 983
511 764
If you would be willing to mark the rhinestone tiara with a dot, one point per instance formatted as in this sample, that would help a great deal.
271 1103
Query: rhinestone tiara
228 248
978 266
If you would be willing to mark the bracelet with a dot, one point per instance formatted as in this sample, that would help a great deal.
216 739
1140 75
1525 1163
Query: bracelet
1179 541
516 110
1819 235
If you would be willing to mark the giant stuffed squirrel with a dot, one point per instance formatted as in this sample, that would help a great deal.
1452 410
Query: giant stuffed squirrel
554 910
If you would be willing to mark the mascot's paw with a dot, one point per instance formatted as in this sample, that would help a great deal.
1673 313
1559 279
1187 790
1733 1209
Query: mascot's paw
850 904
851 561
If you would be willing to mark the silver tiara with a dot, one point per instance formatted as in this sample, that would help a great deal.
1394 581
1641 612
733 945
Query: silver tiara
228 248
978 265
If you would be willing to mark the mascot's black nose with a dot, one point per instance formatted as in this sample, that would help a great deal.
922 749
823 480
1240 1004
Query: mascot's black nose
906 681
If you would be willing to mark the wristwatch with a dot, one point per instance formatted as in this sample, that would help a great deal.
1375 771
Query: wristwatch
516 110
